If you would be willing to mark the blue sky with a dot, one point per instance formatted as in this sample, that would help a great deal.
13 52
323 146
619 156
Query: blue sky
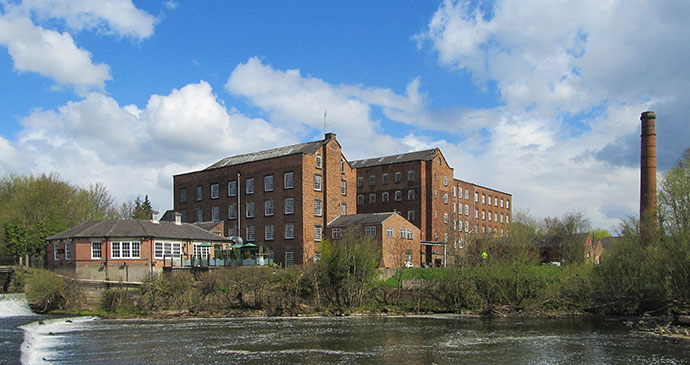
537 98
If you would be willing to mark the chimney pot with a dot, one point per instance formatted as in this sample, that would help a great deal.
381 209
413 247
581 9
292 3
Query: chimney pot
154 216
178 218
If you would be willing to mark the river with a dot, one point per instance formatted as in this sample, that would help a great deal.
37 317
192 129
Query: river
422 340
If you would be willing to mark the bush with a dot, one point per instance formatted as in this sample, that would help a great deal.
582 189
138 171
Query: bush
46 291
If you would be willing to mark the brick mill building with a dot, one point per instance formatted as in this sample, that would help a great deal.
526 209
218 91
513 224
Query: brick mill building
279 199
421 186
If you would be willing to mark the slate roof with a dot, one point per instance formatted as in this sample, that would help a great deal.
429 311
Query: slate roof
426 155
308 148
138 228
359 219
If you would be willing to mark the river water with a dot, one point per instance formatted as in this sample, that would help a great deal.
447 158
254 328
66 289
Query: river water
422 340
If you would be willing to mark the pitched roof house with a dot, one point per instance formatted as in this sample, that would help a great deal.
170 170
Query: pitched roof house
126 249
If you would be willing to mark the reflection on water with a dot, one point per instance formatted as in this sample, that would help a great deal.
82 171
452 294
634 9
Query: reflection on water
360 340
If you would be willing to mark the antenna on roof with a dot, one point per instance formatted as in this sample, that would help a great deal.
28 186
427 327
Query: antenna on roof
325 114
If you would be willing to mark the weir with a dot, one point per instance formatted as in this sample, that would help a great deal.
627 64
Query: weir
14 305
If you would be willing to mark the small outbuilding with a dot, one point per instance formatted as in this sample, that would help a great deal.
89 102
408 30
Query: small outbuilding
398 239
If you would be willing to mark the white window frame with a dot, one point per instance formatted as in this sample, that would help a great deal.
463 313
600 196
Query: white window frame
319 161
201 251
343 187
251 233
268 208
318 208
289 180
268 183
317 182
215 191
389 231
98 250
336 233
360 199
318 233
384 179
249 210
68 251
167 249
289 231
199 215
249 186
199 193
372 180
215 213
232 208
343 209
410 175
183 195
410 215
370 231
411 194
360 182
232 188
125 253
269 232
372 198
385 198
397 178
289 206
398 195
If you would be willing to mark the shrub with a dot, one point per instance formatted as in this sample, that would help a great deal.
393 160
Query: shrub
46 291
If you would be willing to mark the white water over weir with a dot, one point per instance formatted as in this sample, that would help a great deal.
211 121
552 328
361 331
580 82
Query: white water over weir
14 305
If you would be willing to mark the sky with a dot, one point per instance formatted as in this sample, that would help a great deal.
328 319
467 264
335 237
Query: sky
540 99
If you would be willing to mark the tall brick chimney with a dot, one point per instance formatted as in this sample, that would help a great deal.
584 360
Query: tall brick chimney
648 169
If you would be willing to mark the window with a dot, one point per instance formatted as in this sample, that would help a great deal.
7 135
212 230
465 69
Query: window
496 217
249 210
403 233
342 166
250 234
201 251
232 211
268 183
360 199
445 198
398 195
501 203
501 218
268 207
96 250
289 257
410 175
483 199
289 230
397 177
336 233
318 232
289 205
125 249
476 197
389 231
467 209
507 204
232 231
198 193
183 195
459 226
445 218
343 187
455 191
372 180
483 229
459 192
343 209
467 194
455 208
495 201
467 226
408 257
410 234
317 208
199 215
370 231
476 214
445 180
483 214
68 251
289 180
384 179
249 185
317 182
319 161
372 198
445 237
410 194
215 214
167 249
214 191
435 214
183 215
384 197
360 182
489 216
507 219
435 193
268 232
232 188
410 215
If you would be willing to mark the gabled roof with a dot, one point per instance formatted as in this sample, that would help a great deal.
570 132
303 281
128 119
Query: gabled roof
607 242
138 228
359 219
426 155
308 148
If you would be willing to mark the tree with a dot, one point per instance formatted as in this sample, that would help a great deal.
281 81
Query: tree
142 209
674 198
567 230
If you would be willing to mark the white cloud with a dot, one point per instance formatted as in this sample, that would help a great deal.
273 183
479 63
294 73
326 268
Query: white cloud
50 53
111 17
136 151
